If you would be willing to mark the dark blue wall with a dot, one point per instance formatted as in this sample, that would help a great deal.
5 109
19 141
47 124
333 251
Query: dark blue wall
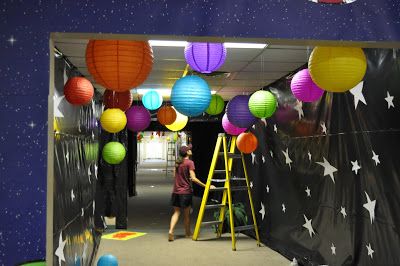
24 73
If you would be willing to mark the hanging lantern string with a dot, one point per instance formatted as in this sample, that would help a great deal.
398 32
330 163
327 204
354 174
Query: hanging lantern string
262 71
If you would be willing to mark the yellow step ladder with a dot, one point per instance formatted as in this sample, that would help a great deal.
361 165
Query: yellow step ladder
226 190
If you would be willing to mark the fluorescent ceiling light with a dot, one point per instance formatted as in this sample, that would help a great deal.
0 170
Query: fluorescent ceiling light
163 92
245 45
213 92
168 43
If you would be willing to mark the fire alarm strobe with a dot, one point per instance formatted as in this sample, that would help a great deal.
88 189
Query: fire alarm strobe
333 1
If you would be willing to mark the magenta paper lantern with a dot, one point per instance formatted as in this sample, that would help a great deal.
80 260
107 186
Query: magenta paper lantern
304 88
230 128
205 57
138 118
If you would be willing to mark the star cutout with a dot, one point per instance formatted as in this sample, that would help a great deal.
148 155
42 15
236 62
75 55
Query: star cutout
355 167
389 100
264 121
275 128
267 187
309 156
287 158
251 184
60 249
283 207
370 206
333 248
375 158
262 211
358 95
12 40
57 101
299 108
72 195
328 169
271 153
343 212
308 191
253 158
323 127
294 262
308 226
254 126
370 250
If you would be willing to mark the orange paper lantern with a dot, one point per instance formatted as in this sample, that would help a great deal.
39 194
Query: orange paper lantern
166 115
121 100
247 142
119 65
78 91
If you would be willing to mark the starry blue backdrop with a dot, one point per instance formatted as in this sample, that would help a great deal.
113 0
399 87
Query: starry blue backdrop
25 28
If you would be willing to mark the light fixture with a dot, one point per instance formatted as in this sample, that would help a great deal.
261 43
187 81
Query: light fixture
213 92
165 92
227 44
168 43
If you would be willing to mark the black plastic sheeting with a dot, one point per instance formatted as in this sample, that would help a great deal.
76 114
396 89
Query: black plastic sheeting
75 173
343 227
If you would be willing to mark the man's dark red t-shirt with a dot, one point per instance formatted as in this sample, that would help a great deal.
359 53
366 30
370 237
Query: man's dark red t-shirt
183 184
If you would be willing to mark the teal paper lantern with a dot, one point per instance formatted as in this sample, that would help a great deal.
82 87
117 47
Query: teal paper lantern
191 95
262 104
216 105
113 152
152 100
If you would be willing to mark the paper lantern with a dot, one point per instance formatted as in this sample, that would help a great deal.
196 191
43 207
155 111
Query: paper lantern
304 88
166 115
262 104
78 91
121 100
230 128
113 152
238 111
205 57
152 100
191 95
179 123
216 105
139 118
113 120
337 69
119 65
107 260
247 142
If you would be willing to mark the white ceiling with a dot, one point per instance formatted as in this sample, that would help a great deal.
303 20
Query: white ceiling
249 69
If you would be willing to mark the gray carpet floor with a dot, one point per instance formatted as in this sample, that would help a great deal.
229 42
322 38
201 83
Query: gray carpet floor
150 213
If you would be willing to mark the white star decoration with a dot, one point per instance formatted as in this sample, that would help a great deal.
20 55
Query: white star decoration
355 167
370 206
309 156
308 226
370 250
264 121
72 195
57 101
251 184
308 191
253 158
262 211
254 126
271 153
299 108
389 100
60 249
283 207
323 127
267 188
343 212
263 158
358 95
375 157
333 248
328 169
287 158
294 262
95 170
275 128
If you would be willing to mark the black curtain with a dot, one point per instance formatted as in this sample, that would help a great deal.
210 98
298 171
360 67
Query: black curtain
319 199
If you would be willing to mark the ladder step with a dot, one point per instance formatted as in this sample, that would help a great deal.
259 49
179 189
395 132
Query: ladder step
218 180
238 179
220 171
241 188
231 155
244 228
218 189
210 223
214 206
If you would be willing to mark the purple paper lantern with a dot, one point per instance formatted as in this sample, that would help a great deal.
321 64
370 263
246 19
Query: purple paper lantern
230 128
138 118
238 112
205 57
304 88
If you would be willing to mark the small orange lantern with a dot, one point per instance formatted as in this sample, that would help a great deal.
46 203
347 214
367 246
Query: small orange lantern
247 142
166 115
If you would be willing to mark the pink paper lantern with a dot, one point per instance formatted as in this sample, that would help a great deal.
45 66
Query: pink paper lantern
230 128
304 88
138 117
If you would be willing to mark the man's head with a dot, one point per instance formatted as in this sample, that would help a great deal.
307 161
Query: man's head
185 150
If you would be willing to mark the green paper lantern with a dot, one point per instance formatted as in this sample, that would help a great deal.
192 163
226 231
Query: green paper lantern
216 105
113 152
262 104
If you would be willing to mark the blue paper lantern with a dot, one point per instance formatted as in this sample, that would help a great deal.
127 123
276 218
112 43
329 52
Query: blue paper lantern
107 260
191 95
152 100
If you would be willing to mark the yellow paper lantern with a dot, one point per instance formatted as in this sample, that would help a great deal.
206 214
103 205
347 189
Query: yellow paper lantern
179 123
337 69
113 120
